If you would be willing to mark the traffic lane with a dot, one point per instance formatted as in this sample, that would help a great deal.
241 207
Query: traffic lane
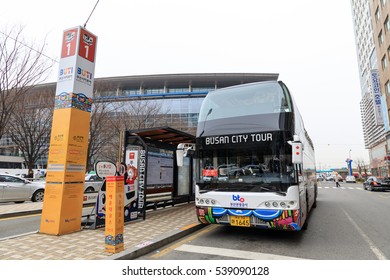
368 213
18 225
330 235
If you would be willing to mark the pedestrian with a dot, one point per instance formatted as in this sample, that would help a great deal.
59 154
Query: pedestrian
336 178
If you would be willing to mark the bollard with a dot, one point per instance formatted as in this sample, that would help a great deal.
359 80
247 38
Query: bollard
114 214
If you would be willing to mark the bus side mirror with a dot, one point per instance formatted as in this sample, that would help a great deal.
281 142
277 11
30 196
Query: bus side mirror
297 150
183 149
297 153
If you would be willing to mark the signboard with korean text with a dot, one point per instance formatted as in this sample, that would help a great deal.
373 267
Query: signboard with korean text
114 214
376 91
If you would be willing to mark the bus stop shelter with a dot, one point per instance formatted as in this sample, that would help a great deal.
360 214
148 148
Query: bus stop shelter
151 154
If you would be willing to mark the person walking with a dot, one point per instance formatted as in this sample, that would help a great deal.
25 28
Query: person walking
336 178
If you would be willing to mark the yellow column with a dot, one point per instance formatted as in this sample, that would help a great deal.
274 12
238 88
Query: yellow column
114 214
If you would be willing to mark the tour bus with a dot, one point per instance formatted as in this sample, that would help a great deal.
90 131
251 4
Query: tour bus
254 161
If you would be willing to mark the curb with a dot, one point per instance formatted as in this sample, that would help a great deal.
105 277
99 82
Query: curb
154 244
32 212
20 213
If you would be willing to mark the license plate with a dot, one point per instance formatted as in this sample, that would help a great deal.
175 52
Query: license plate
240 221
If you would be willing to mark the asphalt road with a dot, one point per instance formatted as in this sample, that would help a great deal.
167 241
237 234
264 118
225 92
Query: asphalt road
349 223
20 225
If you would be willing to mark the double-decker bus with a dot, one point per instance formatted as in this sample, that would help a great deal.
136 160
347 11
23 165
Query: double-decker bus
255 163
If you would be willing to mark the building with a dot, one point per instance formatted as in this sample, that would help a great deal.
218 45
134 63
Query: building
372 105
380 18
178 96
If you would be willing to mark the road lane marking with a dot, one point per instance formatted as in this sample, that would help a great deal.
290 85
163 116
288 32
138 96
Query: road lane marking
237 254
378 253
190 238
20 217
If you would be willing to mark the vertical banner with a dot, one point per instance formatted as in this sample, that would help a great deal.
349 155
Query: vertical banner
131 183
376 91
135 161
114 214
62 206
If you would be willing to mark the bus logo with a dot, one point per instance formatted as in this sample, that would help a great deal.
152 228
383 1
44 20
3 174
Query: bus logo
238 198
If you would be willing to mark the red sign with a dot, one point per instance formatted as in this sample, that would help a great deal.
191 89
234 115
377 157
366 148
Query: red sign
87 45
69 43
210 172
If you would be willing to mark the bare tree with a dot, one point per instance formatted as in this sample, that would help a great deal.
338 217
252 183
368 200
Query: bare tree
30 126
361 166
100 132
21 67
131 115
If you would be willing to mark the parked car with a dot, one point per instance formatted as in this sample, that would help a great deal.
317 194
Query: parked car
18 190
376 184
92 183
350 179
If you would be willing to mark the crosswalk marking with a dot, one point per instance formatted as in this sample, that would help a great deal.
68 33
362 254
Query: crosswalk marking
342 188
238 254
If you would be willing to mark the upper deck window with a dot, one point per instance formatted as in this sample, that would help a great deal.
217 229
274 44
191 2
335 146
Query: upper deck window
245 100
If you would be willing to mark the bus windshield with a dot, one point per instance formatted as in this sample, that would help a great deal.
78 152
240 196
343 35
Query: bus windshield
247 170
263 98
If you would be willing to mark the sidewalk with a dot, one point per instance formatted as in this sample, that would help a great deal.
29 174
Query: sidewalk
161 227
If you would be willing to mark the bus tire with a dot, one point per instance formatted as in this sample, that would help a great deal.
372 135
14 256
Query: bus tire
315 201
304 227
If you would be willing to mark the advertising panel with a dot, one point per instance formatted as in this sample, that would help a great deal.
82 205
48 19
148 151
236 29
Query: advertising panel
133 190
160 167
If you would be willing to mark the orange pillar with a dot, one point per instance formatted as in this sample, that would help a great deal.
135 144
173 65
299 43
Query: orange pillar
114 214
63 202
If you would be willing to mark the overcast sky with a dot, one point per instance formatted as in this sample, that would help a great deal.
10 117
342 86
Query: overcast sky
309 43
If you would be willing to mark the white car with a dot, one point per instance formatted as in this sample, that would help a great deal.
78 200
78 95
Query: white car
92 183
18 190
350 179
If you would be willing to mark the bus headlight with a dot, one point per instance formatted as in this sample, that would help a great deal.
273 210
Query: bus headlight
279 204
205 201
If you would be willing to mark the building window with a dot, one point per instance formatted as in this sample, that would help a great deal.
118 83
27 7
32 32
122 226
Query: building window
186 89
377 14
153 90
384 62
380 38
387 87
387 24
130 91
